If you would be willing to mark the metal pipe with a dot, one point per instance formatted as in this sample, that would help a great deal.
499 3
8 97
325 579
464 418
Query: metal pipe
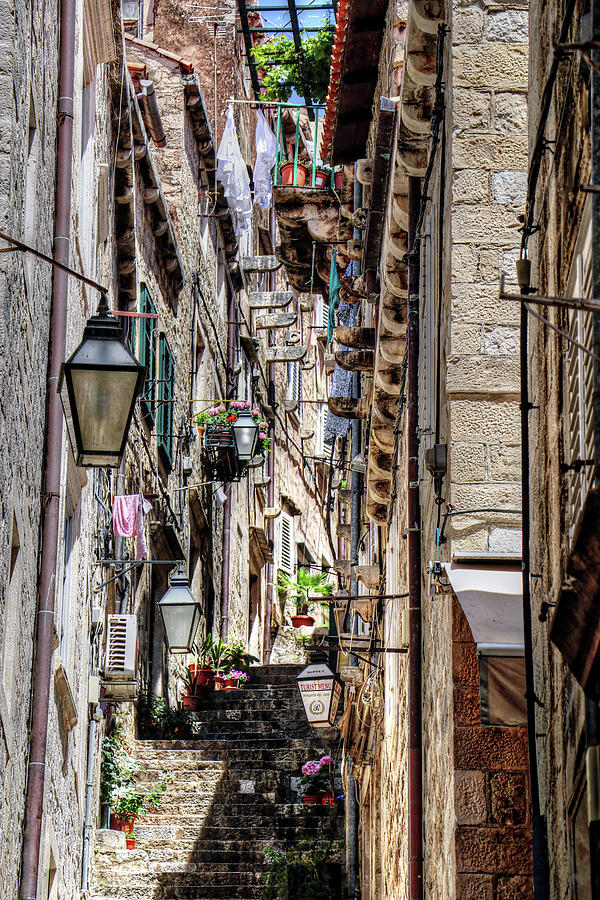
415 747
42 662
540 855
89 803
225 580
592 723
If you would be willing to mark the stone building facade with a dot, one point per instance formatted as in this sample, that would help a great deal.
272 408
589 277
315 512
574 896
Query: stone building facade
456 79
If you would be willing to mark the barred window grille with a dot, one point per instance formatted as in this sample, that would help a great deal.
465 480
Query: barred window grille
579 440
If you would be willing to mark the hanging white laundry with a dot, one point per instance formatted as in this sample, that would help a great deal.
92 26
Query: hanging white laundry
266 146
233 175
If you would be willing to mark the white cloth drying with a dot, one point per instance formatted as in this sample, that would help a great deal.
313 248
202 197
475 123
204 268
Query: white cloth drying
233 175
266 147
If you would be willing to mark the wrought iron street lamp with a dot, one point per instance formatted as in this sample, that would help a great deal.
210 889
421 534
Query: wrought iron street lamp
245 434
180 613
98 388
320 692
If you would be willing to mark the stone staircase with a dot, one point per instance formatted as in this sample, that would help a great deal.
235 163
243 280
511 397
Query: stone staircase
229 798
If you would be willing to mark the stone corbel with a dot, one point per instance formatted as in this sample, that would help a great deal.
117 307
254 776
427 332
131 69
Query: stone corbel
65 695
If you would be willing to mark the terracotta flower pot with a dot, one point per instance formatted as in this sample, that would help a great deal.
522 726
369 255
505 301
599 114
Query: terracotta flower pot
311 800
219 682
299 621
203 676
122 823
328 800
321 178
339 178
231 684
130 843
287 174
193 701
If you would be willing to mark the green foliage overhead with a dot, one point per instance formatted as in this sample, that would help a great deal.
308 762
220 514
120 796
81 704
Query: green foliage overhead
281 69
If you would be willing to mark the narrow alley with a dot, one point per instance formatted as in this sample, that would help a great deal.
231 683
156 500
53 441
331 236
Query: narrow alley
299 566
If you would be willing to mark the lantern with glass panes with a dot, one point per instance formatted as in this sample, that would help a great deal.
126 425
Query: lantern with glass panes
320 692
99 385
180 613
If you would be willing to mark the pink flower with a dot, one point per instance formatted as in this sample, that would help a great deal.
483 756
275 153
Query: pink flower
246 405
256 412
221 408
213 412
311 767
262 435
325 760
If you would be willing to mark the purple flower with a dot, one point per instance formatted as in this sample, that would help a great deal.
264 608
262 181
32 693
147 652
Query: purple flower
311 767
325 760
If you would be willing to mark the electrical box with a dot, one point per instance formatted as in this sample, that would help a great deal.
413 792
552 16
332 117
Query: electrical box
93 690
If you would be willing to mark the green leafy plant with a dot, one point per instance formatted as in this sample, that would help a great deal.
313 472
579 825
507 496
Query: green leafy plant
317 776
157 720
302 868
302 588
239 658
282 72
118 780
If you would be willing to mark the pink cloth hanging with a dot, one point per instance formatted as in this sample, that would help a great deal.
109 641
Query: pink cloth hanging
128 519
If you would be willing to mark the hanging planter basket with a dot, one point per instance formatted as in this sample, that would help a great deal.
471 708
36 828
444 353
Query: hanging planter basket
302 620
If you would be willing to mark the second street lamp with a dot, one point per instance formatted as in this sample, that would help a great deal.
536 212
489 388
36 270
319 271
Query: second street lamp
99 385
245 434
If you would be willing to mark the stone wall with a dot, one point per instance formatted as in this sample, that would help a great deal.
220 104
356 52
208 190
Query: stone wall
492 804
560 211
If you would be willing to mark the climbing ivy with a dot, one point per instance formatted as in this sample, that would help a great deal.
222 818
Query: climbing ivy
279 61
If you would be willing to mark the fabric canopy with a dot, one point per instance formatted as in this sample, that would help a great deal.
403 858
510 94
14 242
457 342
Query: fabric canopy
492 600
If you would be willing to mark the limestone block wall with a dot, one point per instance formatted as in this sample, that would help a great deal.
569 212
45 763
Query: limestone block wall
491 788
561 719
486 183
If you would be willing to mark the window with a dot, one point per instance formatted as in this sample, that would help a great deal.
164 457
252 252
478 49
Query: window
293 392
65 601
11 615
502 690
579 440
286 547
147 351
166 392
324 444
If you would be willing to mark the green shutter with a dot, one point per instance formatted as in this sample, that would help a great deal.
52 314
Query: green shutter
147 357
166 393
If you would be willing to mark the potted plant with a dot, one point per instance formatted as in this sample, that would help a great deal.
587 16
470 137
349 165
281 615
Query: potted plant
322 178
201 669
317 780
286 172
118 786
220 661
234 680
239 657
300 589
130 840
194 692
217 422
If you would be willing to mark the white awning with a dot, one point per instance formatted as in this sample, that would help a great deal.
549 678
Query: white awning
492 600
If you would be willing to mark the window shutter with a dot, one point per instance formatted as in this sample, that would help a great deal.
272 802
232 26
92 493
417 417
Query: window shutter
147 350
164 418
286 549
579 441
324 447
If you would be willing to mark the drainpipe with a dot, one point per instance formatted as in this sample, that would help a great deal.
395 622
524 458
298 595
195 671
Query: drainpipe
42 662
228 488
415 749
89 802
538 822
592 722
